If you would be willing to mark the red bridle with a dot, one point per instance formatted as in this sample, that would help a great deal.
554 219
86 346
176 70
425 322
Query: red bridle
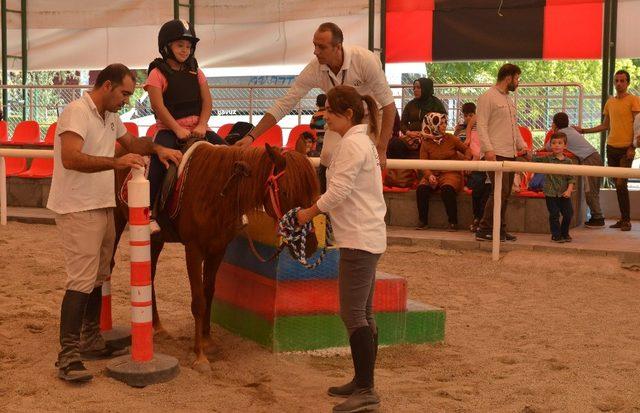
273 189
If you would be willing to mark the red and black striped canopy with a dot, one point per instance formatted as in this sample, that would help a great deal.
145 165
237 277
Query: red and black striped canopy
449 30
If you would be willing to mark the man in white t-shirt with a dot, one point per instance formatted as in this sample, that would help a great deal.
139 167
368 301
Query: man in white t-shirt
83 197
336 64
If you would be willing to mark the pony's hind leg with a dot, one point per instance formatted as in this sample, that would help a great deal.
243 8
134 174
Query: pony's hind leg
198 305
211 265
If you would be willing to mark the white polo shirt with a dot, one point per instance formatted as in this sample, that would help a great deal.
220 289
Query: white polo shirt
360 68
354 197
73 191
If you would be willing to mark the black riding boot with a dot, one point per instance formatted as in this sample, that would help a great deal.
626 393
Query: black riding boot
363 351
92 344
347 389
72 311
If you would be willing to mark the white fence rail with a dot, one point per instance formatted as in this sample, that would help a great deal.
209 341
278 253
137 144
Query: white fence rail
499 167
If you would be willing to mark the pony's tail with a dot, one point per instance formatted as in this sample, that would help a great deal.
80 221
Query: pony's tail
372 107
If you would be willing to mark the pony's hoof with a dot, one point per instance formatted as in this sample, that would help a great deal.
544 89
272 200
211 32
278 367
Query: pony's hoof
161 332
201 366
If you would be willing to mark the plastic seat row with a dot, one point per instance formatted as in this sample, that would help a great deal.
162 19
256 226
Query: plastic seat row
28 133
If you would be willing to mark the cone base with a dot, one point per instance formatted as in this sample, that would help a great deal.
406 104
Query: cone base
160 369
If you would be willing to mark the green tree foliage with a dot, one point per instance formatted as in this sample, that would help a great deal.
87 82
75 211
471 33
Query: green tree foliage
586 72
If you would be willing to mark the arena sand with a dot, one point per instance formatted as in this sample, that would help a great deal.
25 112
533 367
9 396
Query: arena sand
532 333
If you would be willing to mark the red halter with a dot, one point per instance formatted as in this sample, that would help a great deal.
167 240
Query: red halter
273 189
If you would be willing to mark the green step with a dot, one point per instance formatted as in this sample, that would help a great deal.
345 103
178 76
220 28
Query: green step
421 323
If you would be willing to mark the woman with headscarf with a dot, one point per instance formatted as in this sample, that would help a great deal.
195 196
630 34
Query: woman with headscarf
407 146
439 145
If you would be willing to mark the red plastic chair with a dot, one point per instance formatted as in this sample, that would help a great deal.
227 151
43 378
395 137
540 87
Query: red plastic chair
4 135
295 134
40 168
15 165
273 137
224 130
527 136
132 128
27 132
547 137
151 132
50 136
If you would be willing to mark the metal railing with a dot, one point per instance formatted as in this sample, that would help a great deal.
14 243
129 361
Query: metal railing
536 104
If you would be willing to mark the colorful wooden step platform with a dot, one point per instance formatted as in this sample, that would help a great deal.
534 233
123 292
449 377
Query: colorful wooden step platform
419 324
286 307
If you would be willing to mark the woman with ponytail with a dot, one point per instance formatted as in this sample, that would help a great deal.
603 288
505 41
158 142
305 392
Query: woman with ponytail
356 206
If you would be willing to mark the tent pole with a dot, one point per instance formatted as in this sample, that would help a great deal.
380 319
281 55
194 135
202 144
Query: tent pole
383 32
608 58
372 18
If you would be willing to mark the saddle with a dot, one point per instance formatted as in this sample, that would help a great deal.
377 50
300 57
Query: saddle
167 204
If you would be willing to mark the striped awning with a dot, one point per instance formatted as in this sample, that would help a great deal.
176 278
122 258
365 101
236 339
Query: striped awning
454 30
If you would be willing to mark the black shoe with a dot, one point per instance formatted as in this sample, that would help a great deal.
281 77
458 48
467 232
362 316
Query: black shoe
482 235
452 227
361 400
422 225
345 390
557 238
595 223
618 224
567 238
107 352
625 226
505 236
75 372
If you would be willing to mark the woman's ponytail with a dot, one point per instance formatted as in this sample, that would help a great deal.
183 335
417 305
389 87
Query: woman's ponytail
372 108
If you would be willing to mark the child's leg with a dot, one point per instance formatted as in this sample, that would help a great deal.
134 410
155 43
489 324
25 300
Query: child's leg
157 170
554 215
566 208
485 193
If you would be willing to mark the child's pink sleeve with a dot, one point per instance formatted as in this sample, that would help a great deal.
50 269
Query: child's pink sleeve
156 79
202 79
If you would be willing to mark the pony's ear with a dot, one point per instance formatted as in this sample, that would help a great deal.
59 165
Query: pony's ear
276 157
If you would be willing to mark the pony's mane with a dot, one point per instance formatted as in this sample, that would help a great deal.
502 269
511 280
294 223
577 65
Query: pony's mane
211 167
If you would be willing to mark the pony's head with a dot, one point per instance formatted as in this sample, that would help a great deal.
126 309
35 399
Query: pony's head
292 183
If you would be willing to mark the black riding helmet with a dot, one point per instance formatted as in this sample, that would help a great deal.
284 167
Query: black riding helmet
176 30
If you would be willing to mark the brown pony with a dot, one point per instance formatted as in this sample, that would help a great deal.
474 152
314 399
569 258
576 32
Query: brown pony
208 220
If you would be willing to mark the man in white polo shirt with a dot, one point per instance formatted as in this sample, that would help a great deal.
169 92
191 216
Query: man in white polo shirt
336 64
83 197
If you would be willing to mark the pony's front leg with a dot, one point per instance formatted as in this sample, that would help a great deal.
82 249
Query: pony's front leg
198 305
211 265
156 248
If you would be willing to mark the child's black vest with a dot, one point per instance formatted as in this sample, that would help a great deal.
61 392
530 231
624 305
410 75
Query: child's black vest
182 96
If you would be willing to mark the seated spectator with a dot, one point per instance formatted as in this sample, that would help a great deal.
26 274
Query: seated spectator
439 145
478 181
305 144
407 146
468 115
557 189
587 155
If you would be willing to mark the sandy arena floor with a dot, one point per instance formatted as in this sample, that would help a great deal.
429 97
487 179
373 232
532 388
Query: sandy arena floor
532 333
